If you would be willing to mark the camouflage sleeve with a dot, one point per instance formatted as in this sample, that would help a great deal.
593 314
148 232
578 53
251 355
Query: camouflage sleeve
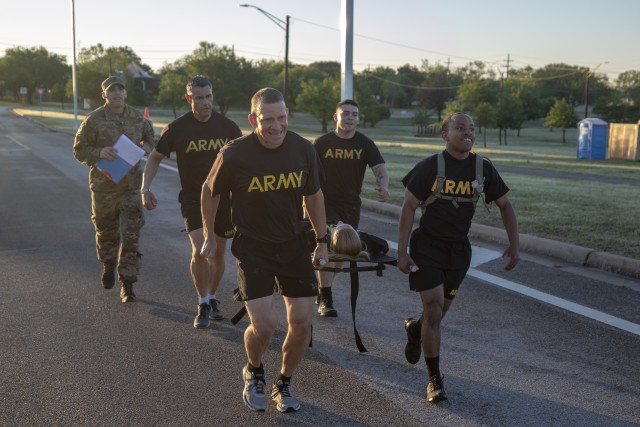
148 137
85 149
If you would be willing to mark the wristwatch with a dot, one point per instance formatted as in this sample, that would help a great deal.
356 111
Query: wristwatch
324 239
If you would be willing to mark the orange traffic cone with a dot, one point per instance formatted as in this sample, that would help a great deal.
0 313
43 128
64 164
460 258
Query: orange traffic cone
146 113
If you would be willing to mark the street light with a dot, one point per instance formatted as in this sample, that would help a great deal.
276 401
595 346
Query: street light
285 26
586 88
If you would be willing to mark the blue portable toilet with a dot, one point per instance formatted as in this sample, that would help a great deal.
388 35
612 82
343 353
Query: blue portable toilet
592 139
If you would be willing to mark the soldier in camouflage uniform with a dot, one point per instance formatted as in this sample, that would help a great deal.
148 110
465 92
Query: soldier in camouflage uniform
116 209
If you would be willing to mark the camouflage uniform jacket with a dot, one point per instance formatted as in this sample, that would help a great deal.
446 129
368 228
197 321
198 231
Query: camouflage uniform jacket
101 129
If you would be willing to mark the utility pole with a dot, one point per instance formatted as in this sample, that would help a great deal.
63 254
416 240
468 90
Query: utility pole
346 44
586 87
284 24
508 61
74 78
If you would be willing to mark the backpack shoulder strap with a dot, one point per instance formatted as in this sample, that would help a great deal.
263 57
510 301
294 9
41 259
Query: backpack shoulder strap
478 184
440 179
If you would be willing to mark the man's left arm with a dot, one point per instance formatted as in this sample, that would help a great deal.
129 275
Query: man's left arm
314 206
382 181
510 222
148 138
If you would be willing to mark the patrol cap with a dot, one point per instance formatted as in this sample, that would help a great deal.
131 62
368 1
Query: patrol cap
112 80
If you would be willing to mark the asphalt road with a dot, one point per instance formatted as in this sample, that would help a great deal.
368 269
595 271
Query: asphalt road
72 354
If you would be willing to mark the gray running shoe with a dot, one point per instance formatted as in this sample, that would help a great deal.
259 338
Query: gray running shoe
253 394
202 318
281 394
214 312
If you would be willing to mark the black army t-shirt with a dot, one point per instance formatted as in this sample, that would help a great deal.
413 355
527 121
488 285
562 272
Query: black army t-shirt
441 219
196 145
266 185
344 163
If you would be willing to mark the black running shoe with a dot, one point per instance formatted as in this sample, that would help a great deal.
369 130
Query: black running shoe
214 311
435 389
202 318
325 308
413 348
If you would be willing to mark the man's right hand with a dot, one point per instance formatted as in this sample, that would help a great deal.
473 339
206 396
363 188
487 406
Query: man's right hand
108 153
149 201
208 250
404 263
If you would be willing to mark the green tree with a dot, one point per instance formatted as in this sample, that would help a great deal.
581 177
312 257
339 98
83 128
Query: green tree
58 93
410 77
384 83
475 70
371 110
271 73
436 89
473 92
560 81
96 62
485 116
318 98
234 79
173 83
561 116
627 87
300 74
509 114
531 102
32 68
422 119
375 113
612 107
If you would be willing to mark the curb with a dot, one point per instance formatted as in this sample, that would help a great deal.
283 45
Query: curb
541 246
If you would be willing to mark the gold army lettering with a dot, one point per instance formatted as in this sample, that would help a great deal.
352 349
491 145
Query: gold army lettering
204 145
343 154
273 182
459 188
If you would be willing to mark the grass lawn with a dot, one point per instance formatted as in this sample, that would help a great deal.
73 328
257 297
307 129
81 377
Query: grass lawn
575 206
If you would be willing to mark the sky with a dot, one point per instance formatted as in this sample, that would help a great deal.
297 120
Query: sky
501 33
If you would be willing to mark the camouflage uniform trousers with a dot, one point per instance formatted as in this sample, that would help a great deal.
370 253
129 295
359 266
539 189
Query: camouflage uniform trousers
118 218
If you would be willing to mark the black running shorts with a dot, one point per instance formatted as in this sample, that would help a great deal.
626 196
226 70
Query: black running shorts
192 216
263 268
438 263
345 212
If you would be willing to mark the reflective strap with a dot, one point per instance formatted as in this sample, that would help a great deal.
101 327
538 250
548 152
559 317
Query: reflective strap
441 178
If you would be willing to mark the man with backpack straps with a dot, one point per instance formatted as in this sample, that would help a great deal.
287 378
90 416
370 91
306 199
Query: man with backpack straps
447 187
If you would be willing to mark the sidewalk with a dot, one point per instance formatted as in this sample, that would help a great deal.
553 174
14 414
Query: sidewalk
538 245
